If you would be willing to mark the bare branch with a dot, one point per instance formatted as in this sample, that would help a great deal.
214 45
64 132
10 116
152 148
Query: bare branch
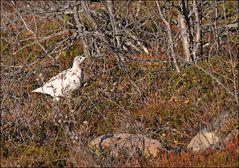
170 42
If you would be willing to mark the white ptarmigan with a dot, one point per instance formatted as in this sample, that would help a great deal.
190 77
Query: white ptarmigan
65 82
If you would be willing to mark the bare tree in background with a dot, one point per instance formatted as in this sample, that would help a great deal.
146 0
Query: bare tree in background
104 27
170 42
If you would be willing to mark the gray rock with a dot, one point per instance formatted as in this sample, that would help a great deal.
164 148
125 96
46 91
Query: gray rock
203 140
130 143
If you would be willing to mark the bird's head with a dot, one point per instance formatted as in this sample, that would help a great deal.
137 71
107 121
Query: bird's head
78 60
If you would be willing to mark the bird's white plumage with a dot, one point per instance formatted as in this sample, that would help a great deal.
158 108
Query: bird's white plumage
65 82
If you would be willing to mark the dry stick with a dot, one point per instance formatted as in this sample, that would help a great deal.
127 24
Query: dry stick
119 56
37 40
198 31
147 60
211 75
202 69
33 33
138 41
230 54
38 58
116 37
186 16
174 130
96 107
122 67
113 102
63 10
215 27
169 36
199 67
86 10
136 15
80 30
43 39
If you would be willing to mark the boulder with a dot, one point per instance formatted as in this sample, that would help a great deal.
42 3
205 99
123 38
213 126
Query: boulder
130 143
203 140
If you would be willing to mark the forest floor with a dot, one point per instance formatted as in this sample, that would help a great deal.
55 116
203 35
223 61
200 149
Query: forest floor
172 109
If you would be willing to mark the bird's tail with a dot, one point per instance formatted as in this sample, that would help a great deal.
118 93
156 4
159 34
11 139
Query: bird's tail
38 90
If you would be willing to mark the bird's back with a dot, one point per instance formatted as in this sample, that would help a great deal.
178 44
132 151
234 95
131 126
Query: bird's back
63 83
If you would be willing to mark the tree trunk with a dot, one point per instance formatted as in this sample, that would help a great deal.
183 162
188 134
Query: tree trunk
81 31
169 33
184 37
197 36
111 9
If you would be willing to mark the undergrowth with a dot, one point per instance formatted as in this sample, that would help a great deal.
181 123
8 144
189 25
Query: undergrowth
172 108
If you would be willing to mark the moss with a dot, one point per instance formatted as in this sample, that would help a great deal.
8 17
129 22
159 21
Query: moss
42 155
230 7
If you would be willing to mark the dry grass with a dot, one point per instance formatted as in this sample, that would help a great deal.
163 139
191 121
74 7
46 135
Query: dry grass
36 132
